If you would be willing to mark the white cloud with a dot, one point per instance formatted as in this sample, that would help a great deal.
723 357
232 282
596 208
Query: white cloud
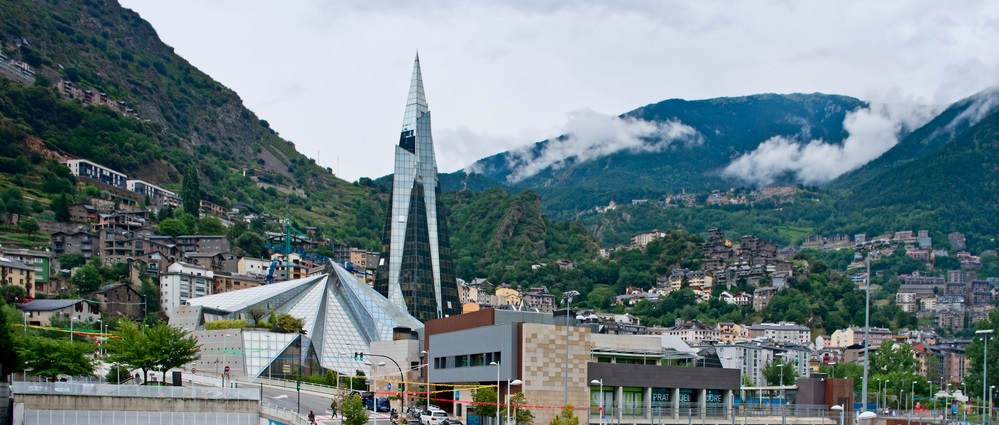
872 131
589 135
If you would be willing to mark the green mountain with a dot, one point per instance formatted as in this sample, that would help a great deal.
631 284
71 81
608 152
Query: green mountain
725 129
952 188
183 118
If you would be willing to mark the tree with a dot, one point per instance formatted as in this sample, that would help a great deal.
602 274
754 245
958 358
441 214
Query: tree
287 323
521 416
566 417
60 208
256 313
209 225
72 260
28 225
354 412
976 353
773 375
87 278
891 357
173 227
131 348
50 358
190 191
251 243
13 293
484 402
171 347
8 350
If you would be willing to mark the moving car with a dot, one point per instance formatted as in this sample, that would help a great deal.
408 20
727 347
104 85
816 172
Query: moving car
433 417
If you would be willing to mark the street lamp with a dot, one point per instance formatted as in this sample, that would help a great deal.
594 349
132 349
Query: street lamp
985 354
497 389
374 393
427 353
601 383
991 405
508 384
225 340
842 413
567 297
885 393
912 395
867 415
867 332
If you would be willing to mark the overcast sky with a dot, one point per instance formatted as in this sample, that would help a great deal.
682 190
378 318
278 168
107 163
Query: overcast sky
332 76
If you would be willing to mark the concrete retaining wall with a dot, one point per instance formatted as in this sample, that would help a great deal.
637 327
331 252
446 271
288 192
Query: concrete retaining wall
111 404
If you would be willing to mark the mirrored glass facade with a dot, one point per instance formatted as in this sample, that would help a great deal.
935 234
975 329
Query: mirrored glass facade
415 270
342 315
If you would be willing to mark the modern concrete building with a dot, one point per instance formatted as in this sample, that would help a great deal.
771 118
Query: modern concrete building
638 372
149 190
783 332
415 270
97 172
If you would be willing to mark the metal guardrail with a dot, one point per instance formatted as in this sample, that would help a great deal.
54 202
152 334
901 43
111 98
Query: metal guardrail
94 389
279 412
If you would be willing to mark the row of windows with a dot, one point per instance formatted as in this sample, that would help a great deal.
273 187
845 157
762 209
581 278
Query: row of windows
466 360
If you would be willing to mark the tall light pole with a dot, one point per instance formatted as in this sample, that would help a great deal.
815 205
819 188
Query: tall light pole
985 358
374 392
510 420
991 403
867 334
912 395
100 330
427 354
600 382
225 340
497 390
567 296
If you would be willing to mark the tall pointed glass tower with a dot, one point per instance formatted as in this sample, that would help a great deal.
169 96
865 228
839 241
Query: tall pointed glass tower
415 270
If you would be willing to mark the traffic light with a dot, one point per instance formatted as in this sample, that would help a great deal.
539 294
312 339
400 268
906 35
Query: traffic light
298 385
359 356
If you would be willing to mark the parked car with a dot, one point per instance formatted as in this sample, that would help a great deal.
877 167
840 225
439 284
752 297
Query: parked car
452 422
433 417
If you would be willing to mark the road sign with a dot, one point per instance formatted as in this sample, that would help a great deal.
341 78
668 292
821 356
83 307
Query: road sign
194 370
390 386
227 368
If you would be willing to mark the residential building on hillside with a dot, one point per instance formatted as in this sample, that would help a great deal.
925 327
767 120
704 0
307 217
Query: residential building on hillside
41 312
78 242
694 333
100 173
539 299
17 273
508 295
119 300
253 266
149 190
182 282
83 213
783 332
855 335
762 296
228 282
41 261
416 270
205 244
640 240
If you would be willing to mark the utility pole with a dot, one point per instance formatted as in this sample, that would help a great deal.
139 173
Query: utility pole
867 335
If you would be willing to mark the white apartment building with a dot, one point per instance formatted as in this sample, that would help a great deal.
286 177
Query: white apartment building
751 358
182 282
783 332
253 266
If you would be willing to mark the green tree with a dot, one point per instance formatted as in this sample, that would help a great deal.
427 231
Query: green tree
49 357
287 323
485 402
566 417
72 260
190 192
131 348
173 227
87 278
171 347
12 294
976 353
772 373
8 350
29 225
522 416
891 357
116 374
251 243
354 412
60 208
210 225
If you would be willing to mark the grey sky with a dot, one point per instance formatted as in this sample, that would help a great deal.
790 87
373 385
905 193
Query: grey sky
332 76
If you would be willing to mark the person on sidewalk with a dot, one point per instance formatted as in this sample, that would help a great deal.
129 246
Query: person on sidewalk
312 418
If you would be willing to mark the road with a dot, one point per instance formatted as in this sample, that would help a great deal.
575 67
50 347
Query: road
318 404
